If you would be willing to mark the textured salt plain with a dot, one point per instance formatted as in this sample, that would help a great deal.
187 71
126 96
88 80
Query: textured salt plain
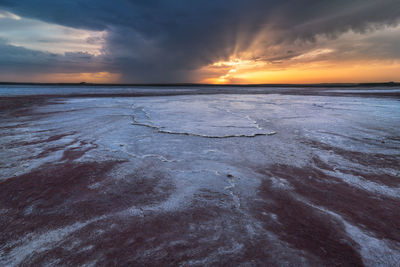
228 179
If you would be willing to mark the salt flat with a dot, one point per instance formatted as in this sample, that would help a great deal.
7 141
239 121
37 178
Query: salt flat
187 179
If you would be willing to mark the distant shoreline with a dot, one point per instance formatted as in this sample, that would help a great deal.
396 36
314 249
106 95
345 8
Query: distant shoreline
386 84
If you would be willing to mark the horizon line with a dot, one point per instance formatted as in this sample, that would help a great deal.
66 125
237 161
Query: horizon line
390 83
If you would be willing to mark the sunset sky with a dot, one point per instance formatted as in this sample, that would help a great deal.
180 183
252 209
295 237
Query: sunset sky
219 41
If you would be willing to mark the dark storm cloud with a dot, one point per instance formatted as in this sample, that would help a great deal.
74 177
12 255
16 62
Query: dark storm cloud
167 41
22 60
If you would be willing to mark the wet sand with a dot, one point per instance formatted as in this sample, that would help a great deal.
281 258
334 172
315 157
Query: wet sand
83 183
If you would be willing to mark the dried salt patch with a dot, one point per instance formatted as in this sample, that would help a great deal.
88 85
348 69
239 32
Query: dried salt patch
374 252
365 184
234 247
94 186
29 210
10 172
279 183
214 122
39 243
173 203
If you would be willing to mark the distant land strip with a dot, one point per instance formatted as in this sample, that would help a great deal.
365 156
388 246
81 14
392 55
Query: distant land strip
386 84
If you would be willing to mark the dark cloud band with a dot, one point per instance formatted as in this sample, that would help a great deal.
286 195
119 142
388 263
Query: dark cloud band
167 41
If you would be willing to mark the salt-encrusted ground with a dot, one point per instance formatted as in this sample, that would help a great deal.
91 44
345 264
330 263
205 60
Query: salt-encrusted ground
227 179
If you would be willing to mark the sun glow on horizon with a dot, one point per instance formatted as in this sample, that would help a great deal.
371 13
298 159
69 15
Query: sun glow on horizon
230 68
322 72
351 57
